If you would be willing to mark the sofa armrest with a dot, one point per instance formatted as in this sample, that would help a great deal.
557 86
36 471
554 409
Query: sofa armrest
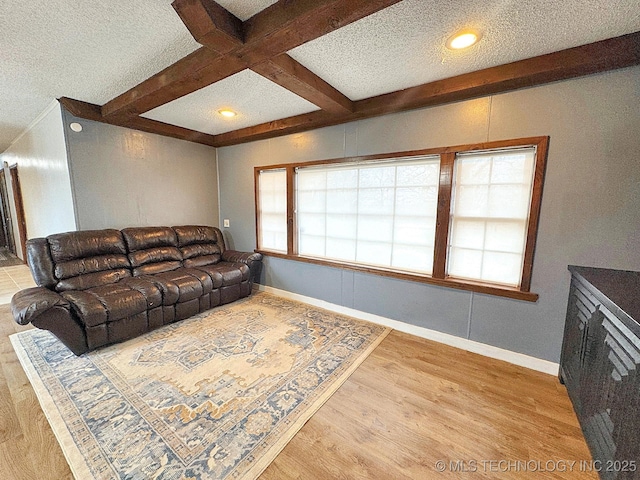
252 260
30 303
241 257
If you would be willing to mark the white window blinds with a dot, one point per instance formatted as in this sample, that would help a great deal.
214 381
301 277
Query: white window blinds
379 214
489 215
272 212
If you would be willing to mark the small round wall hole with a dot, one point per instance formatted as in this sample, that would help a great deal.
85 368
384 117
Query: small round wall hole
75 126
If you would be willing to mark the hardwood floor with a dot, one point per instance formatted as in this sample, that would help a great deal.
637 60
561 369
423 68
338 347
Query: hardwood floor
412 403
28 448
12 279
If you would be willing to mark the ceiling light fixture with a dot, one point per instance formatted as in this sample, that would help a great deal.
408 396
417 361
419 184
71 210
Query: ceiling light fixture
227 113
463 39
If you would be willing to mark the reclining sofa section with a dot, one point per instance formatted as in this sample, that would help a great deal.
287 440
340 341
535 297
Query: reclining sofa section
100 287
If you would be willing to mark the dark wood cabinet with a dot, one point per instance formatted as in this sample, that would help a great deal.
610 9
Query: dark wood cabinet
599 366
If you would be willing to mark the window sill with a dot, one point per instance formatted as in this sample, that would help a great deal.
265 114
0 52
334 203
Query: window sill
415 277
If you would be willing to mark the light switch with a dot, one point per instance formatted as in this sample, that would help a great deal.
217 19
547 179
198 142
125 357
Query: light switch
225 223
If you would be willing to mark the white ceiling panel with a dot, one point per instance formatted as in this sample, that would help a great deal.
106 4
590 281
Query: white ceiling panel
254 98
404 45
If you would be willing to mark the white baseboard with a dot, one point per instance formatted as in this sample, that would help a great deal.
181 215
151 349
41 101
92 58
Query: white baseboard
515 358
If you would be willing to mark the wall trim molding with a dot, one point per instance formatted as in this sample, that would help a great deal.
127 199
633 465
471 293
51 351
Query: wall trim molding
490 351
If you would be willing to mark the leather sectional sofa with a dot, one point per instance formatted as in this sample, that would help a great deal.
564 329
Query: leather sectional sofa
100 287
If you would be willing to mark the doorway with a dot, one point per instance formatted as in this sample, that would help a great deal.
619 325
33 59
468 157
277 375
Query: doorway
20 218
7 224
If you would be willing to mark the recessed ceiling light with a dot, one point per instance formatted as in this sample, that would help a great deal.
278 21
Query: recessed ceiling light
227 113
463 39
75 126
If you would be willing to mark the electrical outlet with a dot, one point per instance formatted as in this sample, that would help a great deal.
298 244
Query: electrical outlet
225 223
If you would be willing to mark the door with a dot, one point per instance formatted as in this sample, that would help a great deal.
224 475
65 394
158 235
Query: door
7 225
4 243
20 219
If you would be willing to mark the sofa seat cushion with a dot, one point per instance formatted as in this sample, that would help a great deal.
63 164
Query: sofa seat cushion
181 285
150 290
225 273
106 303
205 279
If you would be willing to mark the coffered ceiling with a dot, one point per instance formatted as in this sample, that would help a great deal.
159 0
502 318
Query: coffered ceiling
291 65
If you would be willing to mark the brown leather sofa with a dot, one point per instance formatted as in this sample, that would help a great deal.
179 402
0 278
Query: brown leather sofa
100 287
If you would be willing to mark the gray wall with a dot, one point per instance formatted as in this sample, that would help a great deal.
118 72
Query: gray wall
590 210
44 177
124 177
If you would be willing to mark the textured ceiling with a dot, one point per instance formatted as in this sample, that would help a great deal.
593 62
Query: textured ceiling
91 50
95 50
404 45
254 98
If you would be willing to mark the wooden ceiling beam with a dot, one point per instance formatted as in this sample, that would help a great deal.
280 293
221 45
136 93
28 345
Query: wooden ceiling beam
168 130
295 77
91 111
210 24
586 59
288 24
132 102
81 109
284 126
271 32
217 29
610 54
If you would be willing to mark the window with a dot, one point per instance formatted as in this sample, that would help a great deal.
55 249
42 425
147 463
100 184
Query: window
489 215
462 216
272 210
377 213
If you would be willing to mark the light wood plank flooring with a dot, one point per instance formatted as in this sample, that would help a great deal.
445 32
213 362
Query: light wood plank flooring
12 279
412 403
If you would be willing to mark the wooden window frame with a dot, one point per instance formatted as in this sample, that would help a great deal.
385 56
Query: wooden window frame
447 162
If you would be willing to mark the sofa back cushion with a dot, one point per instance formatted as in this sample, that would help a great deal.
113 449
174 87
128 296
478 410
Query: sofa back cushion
40 262
199 245
152 250
86 259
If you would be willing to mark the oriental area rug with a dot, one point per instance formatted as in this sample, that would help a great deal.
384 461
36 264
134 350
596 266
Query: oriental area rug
216 396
